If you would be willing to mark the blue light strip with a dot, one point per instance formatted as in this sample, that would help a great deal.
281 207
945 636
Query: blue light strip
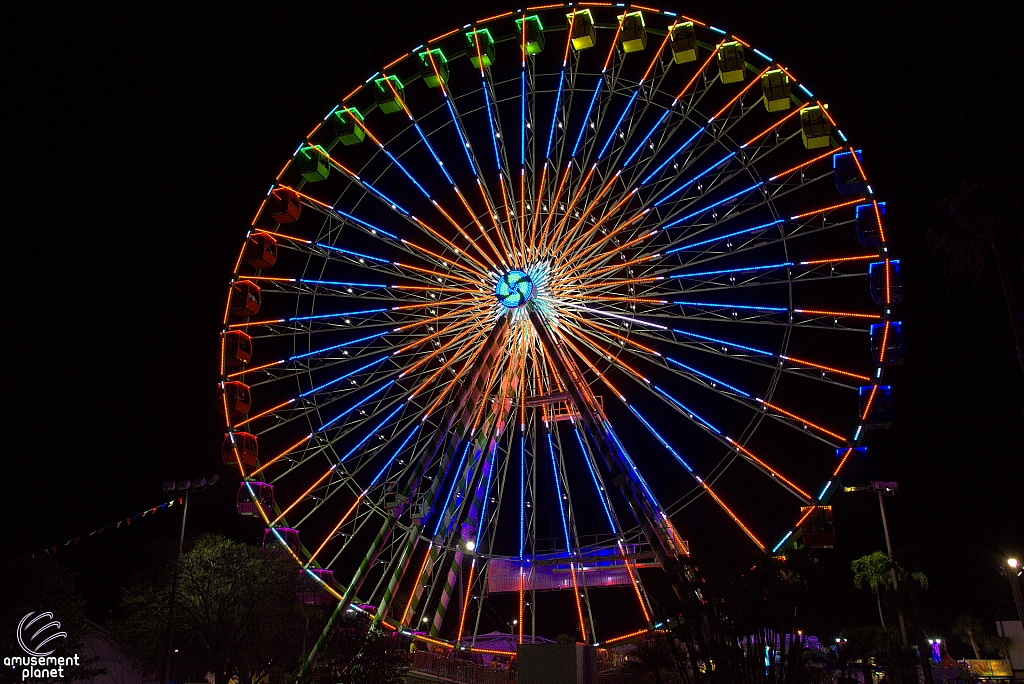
719 202
342 377
432 153
615 128
522 115
824 489
723 342
395 455
408 175
384 197
647 137
351 253
483 510
458 129
371 433
554 117
705 375
672 156
732 270
586 118
726 236
782 541
712 305
522 493
695 179
632 466
600 494
687 409
338 346
451 490
340 283
370 226
661 439
352 408
490 120
558 493
337 315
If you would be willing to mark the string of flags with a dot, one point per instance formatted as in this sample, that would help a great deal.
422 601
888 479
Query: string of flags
112 526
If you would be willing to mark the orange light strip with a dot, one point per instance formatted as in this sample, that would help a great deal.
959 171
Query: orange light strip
804 421
521 592
806 163
419 578
732 515
806 515
436 352
435 302
440 258
572 205
590 365
282 454
885 343
878 217
590 208
824 110
269 410
846 456
431 288
635 583
576 595
302 496
860 169
615 283
442 36
496 16
469 588
427 338
773 126
572 248
445 388
699 72
838 260
434 319
836 313
619 248
537 204
822 211
661 49
245 324
554 203
341 522
436 274
607 61
282 235
756 79
871 399
624 264
609 331
824 368
256 368
771 470
626 636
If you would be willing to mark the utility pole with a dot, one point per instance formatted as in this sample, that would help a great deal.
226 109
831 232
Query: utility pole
887 489
187 487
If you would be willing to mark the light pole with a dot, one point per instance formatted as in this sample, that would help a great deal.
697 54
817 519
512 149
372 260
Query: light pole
886 489
186 487
1012 575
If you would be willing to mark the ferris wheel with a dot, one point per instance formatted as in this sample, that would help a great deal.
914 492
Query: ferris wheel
539 301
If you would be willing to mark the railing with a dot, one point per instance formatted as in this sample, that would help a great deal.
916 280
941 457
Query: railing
456 669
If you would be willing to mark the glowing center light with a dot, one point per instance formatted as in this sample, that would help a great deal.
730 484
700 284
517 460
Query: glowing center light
514 289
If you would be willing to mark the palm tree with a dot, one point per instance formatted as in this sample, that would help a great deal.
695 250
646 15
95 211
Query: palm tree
971 631
986 219
877 571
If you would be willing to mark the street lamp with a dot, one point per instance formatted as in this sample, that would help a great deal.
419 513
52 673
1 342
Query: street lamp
186 488
1012 575
886 489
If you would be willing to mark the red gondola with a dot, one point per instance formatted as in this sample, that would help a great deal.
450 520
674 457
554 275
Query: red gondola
244 443
237 349
238 399
819 530
283 205
245 298
261 251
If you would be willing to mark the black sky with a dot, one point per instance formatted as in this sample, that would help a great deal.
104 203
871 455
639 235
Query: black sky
138 142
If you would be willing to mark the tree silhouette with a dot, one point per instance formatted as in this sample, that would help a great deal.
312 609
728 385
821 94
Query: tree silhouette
987 220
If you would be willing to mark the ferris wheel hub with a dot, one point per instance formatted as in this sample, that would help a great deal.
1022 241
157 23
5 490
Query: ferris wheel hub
514 289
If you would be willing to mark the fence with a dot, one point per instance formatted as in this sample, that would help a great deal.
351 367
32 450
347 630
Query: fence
456 669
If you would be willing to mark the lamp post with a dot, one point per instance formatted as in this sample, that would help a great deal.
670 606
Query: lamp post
886 489
186 488
1012 575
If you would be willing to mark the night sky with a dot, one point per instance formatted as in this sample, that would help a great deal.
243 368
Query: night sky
138 143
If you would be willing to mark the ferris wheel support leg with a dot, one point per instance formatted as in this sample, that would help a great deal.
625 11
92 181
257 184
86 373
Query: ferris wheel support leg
399 572
644 509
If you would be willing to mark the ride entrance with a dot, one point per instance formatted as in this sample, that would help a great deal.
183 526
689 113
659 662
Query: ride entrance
542 300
